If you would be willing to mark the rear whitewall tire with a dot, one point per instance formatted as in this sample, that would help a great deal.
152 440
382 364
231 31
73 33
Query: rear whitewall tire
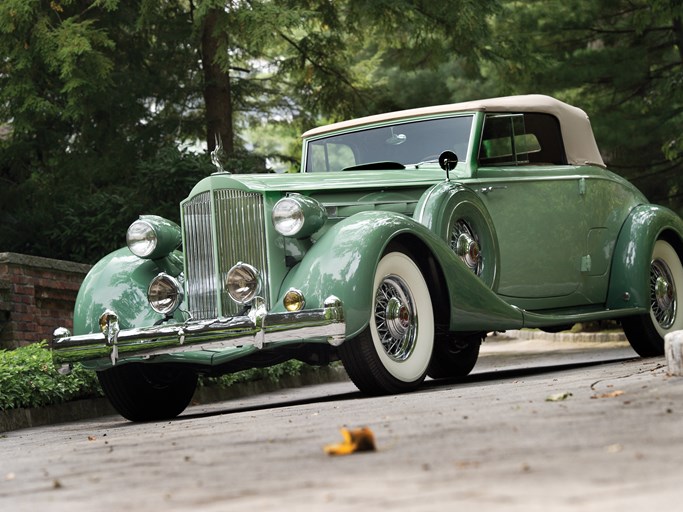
665 314
646 332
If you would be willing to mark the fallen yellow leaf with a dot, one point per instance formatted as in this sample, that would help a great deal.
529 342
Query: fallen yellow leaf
355 440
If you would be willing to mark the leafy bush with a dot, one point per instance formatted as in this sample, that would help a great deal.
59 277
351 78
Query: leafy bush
29 379
272 374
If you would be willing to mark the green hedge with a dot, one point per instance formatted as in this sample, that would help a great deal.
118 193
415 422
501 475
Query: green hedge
272 373
29 379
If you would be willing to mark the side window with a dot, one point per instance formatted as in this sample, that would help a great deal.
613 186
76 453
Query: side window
330 157
521 139
498 139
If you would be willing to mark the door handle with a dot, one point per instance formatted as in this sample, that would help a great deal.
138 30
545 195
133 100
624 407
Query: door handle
486 190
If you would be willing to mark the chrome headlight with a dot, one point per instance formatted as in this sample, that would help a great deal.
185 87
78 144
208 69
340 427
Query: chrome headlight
152 237
165 294
243 283
141 238
298 216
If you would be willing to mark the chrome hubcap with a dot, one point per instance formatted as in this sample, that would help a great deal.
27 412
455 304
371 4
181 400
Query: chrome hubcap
396 318
662 294
466 245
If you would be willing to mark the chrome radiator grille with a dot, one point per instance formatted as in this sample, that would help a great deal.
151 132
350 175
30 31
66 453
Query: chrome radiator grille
221 229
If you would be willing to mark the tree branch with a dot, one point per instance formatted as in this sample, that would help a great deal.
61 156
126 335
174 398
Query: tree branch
320 66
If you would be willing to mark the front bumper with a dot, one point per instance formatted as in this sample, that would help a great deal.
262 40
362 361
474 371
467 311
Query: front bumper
258 328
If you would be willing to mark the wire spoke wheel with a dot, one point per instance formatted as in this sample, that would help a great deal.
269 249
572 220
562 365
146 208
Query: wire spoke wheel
393 352
396 318
646 332
662 293
466 244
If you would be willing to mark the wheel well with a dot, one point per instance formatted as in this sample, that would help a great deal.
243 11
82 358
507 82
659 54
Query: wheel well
432 272
674 239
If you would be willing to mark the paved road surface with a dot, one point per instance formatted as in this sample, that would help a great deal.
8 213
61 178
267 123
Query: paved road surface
489 442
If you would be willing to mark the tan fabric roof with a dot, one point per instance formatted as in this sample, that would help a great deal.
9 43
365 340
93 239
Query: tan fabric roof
579 142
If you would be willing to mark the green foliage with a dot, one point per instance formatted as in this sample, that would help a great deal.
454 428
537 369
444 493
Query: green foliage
271 374
29 379
164 180
621 61
95 96
83 222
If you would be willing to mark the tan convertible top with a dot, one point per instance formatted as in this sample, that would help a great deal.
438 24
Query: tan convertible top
579 142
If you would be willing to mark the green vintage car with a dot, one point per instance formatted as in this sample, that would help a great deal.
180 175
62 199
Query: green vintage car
405 238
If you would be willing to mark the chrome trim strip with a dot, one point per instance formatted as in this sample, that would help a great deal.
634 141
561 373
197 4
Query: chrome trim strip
258 329
369 203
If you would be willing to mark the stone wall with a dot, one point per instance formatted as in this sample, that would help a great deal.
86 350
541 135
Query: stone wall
36 296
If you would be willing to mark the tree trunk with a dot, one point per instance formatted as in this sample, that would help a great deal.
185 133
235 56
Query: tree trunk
217 94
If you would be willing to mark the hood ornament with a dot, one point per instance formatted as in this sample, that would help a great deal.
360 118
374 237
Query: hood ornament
219 158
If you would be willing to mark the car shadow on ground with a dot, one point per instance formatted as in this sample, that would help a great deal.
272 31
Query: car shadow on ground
428 386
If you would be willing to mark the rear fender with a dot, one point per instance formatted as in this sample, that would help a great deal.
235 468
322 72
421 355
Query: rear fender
629 278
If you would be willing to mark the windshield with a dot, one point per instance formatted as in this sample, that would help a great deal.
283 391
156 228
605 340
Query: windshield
408 144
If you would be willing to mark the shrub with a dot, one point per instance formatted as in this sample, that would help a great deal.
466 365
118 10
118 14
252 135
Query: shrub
272 374
28 378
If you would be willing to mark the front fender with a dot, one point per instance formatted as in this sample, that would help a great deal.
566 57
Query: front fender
630 275
117 282
343 263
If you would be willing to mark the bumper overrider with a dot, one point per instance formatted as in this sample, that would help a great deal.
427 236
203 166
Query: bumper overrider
257 328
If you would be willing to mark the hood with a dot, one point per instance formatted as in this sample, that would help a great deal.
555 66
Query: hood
301 182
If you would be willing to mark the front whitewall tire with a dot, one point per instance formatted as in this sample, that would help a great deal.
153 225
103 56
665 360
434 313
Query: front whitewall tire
392 354
414 366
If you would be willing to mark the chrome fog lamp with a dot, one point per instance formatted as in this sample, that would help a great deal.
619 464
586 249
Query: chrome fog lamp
141 238
294 300
165 294
298 216
243 283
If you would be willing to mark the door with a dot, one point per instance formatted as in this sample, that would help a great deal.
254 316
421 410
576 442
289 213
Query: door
538 209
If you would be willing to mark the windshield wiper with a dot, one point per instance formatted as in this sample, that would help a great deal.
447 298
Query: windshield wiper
372 166
417 165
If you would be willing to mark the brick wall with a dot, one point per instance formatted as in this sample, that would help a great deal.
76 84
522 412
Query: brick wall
36 296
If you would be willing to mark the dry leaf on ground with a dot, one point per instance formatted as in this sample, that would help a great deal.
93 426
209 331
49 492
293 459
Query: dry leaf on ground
611 394
355 440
